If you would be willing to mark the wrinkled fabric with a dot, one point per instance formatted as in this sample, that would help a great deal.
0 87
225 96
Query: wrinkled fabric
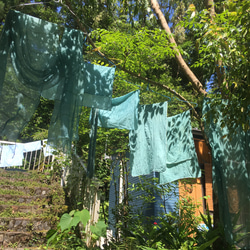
39 58
98 86
12 155
148 142
123 114
230 169
181 161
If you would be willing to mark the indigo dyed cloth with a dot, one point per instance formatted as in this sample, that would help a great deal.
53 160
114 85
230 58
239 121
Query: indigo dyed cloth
181 160
40 58
123 114
12 155
98 86
230 167
148 142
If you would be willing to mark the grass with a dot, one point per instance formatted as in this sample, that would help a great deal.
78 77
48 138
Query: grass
9 213
12 192
21 183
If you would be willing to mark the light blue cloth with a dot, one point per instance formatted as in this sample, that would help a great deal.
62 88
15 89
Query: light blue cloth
181 161
124 112
31 146
148 143
98 86
47 149
12 155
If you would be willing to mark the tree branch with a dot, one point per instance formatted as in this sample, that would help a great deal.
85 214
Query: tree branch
194 80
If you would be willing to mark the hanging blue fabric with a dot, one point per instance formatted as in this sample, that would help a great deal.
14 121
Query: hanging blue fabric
181 161
12 155
230 168
40 58
98 86
123 114
148 142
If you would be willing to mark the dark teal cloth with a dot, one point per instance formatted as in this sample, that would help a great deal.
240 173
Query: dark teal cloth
39 58
231 170
123 115
98 86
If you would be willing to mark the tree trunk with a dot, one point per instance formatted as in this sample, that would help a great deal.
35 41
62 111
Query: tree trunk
184 67
210 7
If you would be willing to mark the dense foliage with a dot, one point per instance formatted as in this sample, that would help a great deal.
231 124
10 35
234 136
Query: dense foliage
222 44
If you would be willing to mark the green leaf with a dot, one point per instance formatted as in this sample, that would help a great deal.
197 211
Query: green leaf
51 234
84 216
207 244
66 221
99 229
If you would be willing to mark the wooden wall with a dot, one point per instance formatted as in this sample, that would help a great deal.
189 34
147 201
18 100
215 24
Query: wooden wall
200 187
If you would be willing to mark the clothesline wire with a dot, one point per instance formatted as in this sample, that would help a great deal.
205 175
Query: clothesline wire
98 53
170 99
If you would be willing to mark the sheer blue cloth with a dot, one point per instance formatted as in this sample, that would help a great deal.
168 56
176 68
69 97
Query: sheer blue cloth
231 169
39 58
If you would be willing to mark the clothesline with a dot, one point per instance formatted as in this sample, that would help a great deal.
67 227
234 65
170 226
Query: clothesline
158 143
34 52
